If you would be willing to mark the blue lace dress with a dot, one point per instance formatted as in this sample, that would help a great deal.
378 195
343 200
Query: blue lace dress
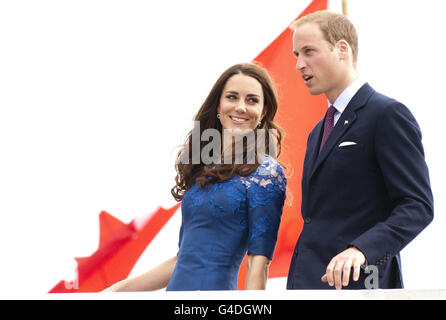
223 221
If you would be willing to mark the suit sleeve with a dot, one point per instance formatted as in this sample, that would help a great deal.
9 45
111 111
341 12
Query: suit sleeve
400 156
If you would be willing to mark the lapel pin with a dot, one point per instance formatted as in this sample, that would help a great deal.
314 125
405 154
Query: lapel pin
345 122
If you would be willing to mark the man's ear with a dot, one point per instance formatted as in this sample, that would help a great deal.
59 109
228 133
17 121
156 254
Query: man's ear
343 49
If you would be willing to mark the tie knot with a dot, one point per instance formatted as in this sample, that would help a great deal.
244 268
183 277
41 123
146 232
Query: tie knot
328 125
331 111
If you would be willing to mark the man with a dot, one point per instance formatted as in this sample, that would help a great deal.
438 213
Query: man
365 185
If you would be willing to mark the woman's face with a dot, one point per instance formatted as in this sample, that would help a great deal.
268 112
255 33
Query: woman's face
241 103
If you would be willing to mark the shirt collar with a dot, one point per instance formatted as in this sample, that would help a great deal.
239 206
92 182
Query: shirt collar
344 98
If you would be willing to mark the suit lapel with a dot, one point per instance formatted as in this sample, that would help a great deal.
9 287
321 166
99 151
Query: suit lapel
344 123
313 145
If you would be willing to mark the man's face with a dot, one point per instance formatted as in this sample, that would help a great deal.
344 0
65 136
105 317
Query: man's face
317 61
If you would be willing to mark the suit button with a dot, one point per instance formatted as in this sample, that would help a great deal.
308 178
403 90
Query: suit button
307 220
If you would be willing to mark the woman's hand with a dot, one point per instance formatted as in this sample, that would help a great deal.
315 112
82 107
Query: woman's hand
154 279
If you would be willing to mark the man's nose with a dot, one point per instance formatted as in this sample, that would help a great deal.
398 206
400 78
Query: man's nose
300 64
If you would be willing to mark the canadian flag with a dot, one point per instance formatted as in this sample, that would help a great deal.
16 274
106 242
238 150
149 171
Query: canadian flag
121 244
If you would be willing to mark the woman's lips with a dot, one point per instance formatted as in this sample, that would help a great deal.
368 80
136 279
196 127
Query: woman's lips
238 120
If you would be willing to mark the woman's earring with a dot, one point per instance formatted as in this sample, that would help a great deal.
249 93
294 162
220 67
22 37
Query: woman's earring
259 125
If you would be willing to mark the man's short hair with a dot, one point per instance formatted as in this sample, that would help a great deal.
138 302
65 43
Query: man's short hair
334 27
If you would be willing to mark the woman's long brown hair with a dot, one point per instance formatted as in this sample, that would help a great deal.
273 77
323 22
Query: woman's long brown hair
189 173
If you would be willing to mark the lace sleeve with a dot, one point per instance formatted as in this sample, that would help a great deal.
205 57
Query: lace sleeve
266 189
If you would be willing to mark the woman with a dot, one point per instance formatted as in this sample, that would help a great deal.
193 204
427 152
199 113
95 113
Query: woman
228 209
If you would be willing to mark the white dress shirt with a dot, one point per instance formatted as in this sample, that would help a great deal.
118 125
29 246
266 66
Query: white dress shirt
344 98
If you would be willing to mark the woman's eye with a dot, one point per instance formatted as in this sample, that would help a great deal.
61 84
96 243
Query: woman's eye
253 100
231 97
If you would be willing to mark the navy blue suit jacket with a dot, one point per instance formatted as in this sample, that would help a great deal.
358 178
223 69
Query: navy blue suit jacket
374 194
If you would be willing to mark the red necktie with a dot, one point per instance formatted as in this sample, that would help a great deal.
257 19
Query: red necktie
328 125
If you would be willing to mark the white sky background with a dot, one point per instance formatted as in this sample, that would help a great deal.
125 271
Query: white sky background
95 95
